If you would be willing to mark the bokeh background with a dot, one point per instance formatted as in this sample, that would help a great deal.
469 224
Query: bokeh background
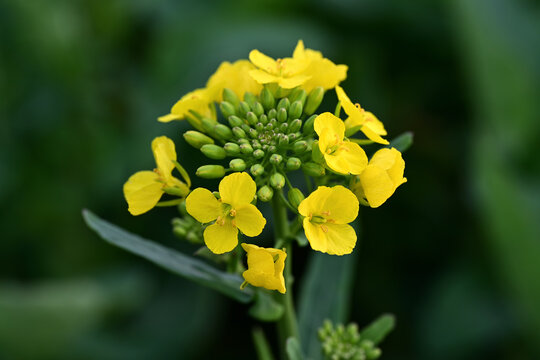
454 254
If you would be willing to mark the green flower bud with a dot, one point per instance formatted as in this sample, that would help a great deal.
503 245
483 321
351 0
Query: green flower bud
227 109
272 114
193 237
270 125
277 181
293 163
237 165
295 125
300 147
284 127
295 197
231 149
283 140
252 118
244 108
242 141
238 132
223 131
373 353
263 119
298 94
316 153
308 125
180 232
283 104
234 121
276 159
197 139
210 171
267 100
282 115
256 144
253 133
257 170
246 149
259 126
230 97
213 151
313 169
258 109
245 127
293 137
208 125
182 208
314 100
250 99
258 154
271 149
265 193
295 110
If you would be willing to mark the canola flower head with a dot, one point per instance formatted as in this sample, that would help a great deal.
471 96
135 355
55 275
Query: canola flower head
265 267
321 71
234 76
381 178
287 72
342 156
372 127
144 189
327 212
232 212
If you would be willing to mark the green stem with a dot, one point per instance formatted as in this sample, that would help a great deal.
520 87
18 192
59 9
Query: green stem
261 345
287 325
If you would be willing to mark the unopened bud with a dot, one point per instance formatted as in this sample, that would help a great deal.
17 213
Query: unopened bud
265 193
238 132
293 163
313 169
210 171
250 99
277 181
258 109
230 97
223 131
180 232
316 153
234 120
295 110
300 147
213 151
227 109
298 94
295 197
308 125
282 115
295 125
263 119
208 125
197 139
267 100
314 100
237 165
284 127
253 133
231 149
246 149
252 118
258 154
276 159
284 104
272 114
256 170
244 108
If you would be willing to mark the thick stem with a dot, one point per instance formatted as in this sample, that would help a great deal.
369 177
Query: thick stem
287 325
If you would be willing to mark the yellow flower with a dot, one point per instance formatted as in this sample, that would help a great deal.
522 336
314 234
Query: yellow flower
235 77
381 177
265 267
232 211
144 188
321 71
327 212
287 72
372 127
342 156
199 101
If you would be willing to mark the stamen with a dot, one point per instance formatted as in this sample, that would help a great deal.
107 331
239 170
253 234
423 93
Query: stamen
232 213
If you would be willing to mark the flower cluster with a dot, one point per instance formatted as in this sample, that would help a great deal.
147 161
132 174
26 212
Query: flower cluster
257 120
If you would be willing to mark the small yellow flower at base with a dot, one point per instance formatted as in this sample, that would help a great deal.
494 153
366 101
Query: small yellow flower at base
265 267
342 156
381 178
199 101
144 188
232 212
372 127
321 71
327 212
285 72
235 77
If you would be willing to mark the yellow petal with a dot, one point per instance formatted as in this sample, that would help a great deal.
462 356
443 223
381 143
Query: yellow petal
346 103
263 77
235 77
334 239
264 62
371 121
164 154
237 189
324 73
392 161
291 67
142 192
169 117
341 205
292 82
264 270
372 135
203 205
299 52
197 100
312 205
377 185
330 129
354 156
221 238
249 220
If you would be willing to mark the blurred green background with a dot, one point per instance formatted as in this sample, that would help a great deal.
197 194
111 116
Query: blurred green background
454 254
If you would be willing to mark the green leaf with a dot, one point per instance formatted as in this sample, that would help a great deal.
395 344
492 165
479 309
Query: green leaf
325 294
294 352
177 263
378 329
403 142
265 308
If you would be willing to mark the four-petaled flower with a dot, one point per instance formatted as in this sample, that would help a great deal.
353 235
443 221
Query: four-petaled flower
381 178
286 72
342 156
232 212
327 212
372 127
144 188
265 267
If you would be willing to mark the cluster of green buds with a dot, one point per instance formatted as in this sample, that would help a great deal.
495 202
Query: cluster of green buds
345 342
187 227
267 135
